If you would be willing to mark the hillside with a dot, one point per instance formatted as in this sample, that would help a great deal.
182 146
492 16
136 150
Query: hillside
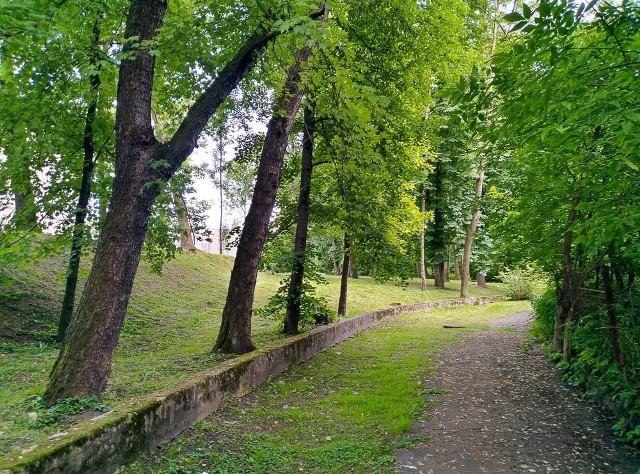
170 328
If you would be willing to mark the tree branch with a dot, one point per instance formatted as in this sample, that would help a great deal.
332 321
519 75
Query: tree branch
185 138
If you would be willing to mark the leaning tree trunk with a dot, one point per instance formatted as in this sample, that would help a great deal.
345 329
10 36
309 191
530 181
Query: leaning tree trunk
300 243
141 164
471 230
235 330
344 279
73 267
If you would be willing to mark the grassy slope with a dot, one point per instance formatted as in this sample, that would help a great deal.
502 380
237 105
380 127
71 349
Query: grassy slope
170 327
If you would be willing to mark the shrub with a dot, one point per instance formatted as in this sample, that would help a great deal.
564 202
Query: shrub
523 284
314 309
545 307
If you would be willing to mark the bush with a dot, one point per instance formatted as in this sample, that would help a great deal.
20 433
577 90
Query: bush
545 307
523 284
314 309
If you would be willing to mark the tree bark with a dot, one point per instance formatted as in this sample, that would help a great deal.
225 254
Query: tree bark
614 328
235 330
300 243
344 280
438 270
84 363
73 267
481 280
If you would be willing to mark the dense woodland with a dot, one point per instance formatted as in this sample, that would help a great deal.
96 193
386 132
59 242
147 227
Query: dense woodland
492 139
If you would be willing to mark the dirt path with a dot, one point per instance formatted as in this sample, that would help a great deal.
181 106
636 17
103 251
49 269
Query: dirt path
502 408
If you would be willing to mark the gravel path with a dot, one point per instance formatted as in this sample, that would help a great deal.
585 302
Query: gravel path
502 408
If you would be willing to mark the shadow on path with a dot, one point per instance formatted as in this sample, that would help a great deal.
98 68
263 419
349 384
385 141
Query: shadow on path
503 408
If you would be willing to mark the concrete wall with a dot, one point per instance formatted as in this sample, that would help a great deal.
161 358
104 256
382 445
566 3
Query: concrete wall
102 444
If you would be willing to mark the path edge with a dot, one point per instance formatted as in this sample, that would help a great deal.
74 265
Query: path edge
106 442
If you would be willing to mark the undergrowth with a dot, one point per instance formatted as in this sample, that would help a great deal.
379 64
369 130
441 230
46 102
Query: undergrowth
592 367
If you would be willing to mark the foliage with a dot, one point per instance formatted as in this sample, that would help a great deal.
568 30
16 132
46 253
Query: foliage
522 283
69 406
314 309
545 310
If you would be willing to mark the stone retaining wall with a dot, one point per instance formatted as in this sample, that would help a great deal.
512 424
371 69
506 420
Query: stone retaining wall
102 444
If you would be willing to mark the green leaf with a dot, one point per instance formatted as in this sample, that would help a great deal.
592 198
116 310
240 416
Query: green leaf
513 17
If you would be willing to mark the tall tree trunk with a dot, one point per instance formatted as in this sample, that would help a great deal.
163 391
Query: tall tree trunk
84 363
187 242
344 280
220 164
73 267
614 328
438 240
235 330
445 271
465 274
423 268
471 230
300 243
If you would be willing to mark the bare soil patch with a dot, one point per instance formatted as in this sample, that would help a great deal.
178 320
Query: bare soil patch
501 407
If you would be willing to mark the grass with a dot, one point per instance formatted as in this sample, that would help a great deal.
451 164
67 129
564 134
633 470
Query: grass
348 409
169 330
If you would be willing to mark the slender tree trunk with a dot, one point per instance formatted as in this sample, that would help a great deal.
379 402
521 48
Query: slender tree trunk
614 328
446 269
235 330
422 265
438 241
300 243
73 267
344 280
187 242
471 230
84 363
220 164
566 307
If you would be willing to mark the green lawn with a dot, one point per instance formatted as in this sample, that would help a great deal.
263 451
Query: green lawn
346 410
170 328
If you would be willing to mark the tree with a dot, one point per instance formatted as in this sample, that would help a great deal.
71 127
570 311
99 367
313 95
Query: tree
235 330
142 164
294 296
